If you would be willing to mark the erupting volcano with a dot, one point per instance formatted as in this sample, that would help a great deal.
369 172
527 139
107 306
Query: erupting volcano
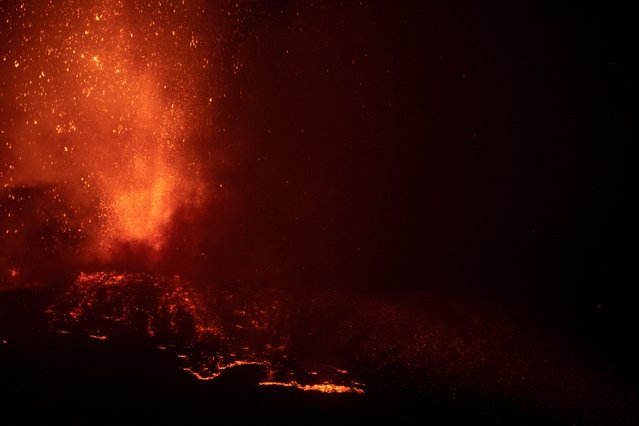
105 103
104 98
345 211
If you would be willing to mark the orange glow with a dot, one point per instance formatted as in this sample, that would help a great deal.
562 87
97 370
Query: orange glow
107 98
93 336
139 212
201 376
321 387
207 335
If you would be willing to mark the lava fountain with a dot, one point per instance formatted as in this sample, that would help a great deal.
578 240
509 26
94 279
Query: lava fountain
103 103
104 97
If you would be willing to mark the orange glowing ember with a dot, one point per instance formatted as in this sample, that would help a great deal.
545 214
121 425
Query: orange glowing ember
106 96
321 387
207 335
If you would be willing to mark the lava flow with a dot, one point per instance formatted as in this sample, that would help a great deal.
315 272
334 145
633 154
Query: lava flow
208 332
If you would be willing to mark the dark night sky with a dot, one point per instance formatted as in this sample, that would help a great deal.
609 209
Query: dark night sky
440 146
455 147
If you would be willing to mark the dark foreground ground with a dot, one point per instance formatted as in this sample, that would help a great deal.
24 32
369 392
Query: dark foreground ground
77 380
52 377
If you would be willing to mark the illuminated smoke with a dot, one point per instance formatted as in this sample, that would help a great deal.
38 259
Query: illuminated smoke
105 97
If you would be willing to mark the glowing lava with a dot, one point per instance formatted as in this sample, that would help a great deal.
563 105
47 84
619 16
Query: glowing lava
208 334
104 96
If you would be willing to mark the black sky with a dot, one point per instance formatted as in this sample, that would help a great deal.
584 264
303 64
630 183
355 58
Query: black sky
473 149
